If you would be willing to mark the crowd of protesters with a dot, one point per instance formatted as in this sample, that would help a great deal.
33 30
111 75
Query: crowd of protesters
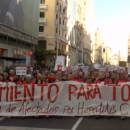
45 75
40 75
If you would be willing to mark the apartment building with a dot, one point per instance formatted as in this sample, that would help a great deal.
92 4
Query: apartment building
64 22
53 29
97 48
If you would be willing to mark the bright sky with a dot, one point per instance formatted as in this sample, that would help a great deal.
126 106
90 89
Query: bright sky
113 21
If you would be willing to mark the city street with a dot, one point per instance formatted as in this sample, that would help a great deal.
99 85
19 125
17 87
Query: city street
65 123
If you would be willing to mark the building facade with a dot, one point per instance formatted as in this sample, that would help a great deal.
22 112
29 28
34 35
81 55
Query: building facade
97 48
53 29
63 27
18 32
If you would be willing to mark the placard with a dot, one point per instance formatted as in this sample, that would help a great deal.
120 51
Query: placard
102 68
60 63
112 68
69 68
85 69
97 66
21 70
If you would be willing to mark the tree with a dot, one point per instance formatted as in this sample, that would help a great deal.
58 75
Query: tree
40 52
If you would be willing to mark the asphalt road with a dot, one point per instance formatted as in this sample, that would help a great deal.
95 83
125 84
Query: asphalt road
64 123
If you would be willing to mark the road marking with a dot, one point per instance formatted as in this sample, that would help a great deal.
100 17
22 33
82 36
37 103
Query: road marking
2 118
77 123
24 128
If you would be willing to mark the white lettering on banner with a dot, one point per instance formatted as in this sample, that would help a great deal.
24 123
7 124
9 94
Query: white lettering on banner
65 99
112 68
21 71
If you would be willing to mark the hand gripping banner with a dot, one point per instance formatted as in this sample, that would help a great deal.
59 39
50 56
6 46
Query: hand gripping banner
65 99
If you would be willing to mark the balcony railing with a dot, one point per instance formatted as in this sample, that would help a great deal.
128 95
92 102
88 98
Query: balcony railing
43 6
42 35
43 20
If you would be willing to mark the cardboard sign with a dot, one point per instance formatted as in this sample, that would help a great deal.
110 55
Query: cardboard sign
73 68
69 68
21 71
102 68
76 67
60 63
121 68
97 66
112 68
85 69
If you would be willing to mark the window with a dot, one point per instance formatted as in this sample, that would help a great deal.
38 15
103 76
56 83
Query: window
59 20
42 1
59 32
42 14
63 22
56 30
56 16
41 28
62 47
65 35
65 48
60 7
57 3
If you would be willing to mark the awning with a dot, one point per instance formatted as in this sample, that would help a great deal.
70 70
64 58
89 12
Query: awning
12 59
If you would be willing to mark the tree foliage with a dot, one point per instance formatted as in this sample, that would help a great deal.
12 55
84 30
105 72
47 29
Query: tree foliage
40 52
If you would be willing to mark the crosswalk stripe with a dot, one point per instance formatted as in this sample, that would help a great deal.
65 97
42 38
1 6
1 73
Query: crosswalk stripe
24 128
2 118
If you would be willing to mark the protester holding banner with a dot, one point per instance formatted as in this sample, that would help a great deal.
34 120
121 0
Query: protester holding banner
76 77
123 78
107 77
101 79
28 80
2 79
79 76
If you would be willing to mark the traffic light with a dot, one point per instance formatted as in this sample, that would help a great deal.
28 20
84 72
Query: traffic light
51 63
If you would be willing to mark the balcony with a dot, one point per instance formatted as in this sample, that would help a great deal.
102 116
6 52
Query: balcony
63 39
43 21
64 28
42 35
43 6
